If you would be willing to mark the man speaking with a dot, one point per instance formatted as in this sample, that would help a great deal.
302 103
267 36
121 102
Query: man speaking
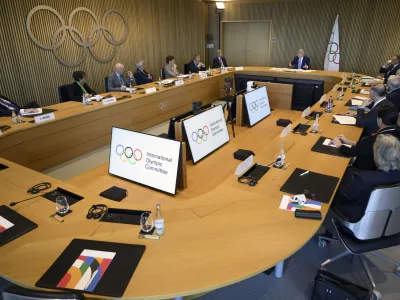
300 61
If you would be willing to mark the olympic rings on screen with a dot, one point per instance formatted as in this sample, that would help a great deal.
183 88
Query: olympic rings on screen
128 154
200 135
253 106
77 36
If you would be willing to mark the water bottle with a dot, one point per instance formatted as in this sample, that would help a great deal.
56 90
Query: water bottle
159 221
283 154
130 88
14 117
190 74
330 105
315 128
159 82
209 70
353 84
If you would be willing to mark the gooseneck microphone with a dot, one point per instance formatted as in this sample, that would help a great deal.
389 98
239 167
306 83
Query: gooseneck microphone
36 189
15 203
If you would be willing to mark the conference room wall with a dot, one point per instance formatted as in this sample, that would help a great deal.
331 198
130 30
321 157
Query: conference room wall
156 28
368 29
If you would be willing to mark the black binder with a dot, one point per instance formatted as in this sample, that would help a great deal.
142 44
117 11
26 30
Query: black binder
321 148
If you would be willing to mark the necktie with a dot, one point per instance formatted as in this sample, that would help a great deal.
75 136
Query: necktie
299 64
120 79
82 88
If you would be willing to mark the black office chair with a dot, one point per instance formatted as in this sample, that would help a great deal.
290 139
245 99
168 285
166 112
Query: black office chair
163 73
379 228
186 68
106 84
63 93
15 292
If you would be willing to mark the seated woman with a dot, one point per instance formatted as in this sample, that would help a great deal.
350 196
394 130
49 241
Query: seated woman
354 191
170 70
363 149
80 87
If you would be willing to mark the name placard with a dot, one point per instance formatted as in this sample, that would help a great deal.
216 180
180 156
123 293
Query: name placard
203 75
109 100
286 130
179 82
44 118
150 90
239 69
306 112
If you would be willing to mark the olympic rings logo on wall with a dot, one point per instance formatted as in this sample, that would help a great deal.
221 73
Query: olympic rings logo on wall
82 41
253 106
128 154
200 135
334 54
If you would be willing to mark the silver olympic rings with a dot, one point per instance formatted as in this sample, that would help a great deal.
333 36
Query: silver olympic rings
77 36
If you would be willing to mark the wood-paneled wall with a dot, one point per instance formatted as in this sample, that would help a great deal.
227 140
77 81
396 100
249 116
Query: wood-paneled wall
369 29
156 28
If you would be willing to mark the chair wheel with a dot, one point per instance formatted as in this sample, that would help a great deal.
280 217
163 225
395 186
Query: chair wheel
375 295
397 271
322 244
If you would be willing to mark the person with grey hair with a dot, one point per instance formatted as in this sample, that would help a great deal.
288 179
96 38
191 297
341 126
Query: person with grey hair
393 90
392 67
195 66
219 60
117 82
352 196
373 105
141 75
300 61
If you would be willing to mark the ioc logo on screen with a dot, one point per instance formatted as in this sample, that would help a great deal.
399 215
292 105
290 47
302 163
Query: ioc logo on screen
253 106
128 154
200 135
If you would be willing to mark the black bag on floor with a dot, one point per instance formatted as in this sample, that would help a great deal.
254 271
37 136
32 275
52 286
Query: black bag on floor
328 286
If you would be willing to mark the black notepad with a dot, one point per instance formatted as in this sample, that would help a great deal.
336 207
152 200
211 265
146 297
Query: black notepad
71 197
123 216
322 186
13 225
321 148
114 262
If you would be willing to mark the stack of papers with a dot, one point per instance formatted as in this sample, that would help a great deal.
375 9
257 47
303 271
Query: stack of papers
329 142
288 203
345 120
364 92
182 76
30 111
360 98
98 97
356 102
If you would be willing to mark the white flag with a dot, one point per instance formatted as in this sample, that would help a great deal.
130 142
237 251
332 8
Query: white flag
332 56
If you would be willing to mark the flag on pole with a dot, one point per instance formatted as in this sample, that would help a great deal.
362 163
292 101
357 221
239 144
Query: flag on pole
332 56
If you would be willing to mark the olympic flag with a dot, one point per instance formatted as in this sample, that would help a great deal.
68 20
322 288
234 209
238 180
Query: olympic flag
332 56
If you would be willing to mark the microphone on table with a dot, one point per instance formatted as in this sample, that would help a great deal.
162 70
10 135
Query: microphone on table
15 203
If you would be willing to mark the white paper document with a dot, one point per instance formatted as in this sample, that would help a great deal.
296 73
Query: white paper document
356 102
364 92
329 142
30 111
182 76
360 98
345 120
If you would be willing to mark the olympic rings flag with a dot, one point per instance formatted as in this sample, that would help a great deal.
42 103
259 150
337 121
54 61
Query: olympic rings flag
77 36
332 56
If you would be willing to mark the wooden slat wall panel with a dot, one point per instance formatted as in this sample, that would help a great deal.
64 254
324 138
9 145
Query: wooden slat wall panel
156 28
369 33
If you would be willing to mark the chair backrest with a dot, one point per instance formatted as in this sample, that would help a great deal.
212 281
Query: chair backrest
106 84
163 73
63 93
15 292
382 215
186 68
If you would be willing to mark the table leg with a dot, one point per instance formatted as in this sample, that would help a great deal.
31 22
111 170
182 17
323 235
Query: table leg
279 269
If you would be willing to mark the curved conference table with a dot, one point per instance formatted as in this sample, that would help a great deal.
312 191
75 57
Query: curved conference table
218 231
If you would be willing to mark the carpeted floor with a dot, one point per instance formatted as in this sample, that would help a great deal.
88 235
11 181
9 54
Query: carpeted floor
300 271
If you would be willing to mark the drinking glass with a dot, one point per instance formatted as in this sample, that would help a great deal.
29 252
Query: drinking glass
62 205
146 222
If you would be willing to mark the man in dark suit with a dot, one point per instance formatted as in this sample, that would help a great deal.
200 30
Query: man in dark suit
195 66
219 60
377 101
7 106
300 61
141 75
392 67
80 88
363 149
117 82
354 191
393 90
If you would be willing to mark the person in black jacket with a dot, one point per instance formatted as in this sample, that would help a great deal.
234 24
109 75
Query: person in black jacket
141 75
392 67
377 101
363 149
354 191
7 106
393 90
195 66
219 60
80 87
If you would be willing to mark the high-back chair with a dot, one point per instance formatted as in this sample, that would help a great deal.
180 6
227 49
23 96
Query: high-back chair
63 93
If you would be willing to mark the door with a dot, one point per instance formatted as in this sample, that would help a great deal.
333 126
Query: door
246 43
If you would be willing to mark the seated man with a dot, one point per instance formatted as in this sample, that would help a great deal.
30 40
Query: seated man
116 80
219 60
195 66
80 87
393 90
377 101
354 191
392 67
300 61
363 149
7 106
141 75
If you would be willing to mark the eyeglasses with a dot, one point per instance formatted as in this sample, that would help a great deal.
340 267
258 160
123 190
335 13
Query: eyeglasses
309 195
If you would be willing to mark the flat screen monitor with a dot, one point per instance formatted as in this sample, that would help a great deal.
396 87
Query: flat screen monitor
257 105
206 132
145 159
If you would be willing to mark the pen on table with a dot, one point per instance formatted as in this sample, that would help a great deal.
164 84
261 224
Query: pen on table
305 173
